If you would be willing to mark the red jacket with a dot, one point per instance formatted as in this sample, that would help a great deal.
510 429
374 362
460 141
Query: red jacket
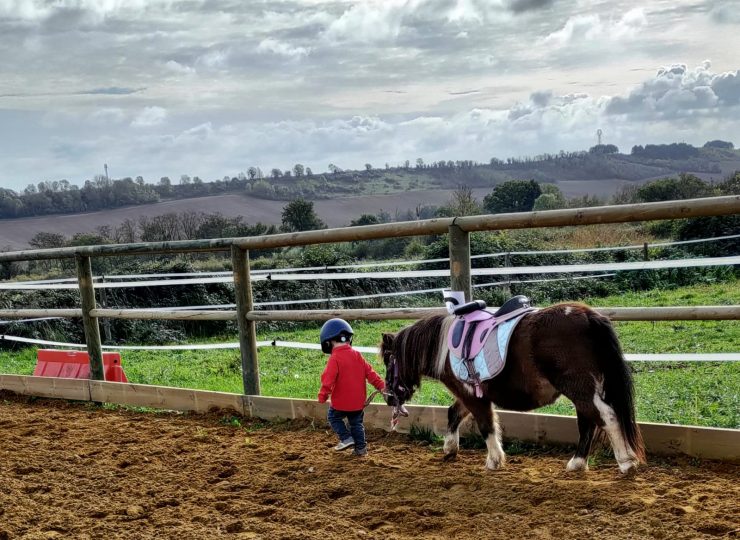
344 379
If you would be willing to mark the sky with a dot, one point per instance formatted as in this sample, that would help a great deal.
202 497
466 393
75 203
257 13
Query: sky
209 88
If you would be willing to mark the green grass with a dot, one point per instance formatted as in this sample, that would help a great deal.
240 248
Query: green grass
690 393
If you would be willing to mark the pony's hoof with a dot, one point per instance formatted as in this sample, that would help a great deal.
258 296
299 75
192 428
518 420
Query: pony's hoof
628 469
576 464
450 457
494 465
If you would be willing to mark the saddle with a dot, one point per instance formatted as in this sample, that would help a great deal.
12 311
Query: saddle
474 325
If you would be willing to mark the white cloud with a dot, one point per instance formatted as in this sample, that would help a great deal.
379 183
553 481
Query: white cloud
150 116
368 22
280 48
591 28
177 67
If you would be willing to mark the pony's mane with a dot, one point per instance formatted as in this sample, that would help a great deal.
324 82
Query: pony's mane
416 347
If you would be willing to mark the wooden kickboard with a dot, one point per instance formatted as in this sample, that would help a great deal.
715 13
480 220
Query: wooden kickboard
700 442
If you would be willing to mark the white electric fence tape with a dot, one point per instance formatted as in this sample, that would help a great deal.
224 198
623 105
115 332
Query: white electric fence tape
672 357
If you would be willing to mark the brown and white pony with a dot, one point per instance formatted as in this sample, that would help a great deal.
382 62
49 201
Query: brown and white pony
566 349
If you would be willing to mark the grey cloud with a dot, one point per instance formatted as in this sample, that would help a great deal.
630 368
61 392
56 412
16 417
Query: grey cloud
541 98
112 91
725 13
521 6
675 91
727 87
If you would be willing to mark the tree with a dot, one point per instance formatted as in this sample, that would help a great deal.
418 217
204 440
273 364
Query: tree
309 172
298 170
463 202
334 169
603 149
726 145
364 219
512 196
299 215
686 186
551 199
276 173
252 173
368 167
46 240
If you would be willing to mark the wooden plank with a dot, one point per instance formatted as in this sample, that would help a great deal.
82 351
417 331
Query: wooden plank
50 387
711 206
706 443
271 408
162 397
33 313
701 442
169 315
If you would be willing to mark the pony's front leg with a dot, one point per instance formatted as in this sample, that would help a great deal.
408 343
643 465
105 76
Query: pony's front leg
487 420
455 415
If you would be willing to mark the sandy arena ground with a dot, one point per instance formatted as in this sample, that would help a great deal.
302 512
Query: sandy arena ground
73 471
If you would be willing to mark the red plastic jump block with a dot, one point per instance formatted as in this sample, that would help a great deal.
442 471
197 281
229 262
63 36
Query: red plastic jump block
76 365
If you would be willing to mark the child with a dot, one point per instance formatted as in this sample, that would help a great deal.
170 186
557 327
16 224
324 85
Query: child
344 379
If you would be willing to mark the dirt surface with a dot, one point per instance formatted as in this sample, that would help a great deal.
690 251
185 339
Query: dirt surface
74 471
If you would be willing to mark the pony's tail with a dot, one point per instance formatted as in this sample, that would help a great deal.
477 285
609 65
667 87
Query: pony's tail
619 390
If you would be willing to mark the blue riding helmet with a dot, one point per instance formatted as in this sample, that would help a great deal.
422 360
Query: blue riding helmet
338 329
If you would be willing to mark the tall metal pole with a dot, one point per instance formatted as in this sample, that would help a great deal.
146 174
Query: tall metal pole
460 261
247 329
90 323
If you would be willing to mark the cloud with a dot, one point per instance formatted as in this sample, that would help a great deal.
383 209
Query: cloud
270 45
368 22
725 13
677 91
112 91
150 116
521 6
177 67
581 29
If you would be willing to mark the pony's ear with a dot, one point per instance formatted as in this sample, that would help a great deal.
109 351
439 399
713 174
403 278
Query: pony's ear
388 339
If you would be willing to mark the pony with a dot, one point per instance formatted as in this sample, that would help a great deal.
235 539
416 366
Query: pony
565 349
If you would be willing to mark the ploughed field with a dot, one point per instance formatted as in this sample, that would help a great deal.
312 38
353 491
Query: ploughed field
79 471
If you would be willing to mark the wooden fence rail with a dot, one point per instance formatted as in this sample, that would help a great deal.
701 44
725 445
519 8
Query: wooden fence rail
679 313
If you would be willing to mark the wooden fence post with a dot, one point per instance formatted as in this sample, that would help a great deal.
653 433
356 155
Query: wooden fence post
90 323
247 330
460 261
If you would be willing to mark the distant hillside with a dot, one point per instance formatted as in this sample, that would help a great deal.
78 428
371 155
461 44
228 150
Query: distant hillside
341 196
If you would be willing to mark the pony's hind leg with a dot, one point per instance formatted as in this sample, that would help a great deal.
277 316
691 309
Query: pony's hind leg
625 456
586 430
455 415
487 421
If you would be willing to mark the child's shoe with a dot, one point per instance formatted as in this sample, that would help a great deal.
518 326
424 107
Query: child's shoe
362 452
344 444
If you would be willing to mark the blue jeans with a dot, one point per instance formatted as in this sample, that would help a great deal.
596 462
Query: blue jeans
356 429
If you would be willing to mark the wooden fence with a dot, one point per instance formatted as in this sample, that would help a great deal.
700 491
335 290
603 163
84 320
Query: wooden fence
458 230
